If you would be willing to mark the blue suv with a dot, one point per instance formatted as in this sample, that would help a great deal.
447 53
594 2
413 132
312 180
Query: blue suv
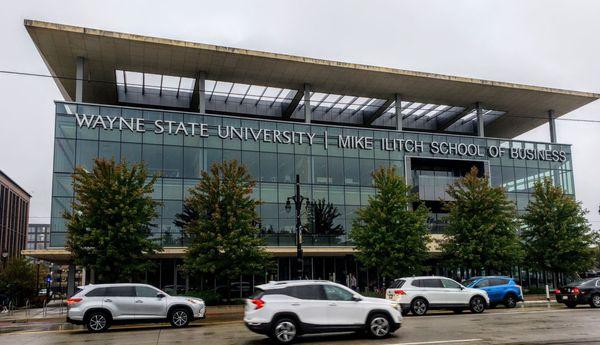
501 290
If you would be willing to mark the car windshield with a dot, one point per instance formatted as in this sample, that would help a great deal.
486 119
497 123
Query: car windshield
469 281
586 282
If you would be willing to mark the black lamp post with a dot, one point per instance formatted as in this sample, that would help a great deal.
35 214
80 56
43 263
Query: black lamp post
298 201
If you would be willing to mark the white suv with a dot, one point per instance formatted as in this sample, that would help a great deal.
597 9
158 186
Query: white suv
99 306
419 294
286 309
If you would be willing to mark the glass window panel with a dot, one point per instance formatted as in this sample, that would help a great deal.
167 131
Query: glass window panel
172 120
269 210
508 178
187 185
172 189
303 168
285 168
286 190
62 185
110 150
351 171
320 170
173 161
366 171
64 155
65 127
251 160
152 158
60 206
87 151
110 134
231 155
192 162
212 156
268 167
268 192
520 179
171 208
320 193
131 153
352 196
336 170
157 191
336 194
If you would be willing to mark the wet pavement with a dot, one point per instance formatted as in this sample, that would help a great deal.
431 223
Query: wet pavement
500 326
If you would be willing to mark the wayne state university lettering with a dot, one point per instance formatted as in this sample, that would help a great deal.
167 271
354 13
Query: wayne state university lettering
293 137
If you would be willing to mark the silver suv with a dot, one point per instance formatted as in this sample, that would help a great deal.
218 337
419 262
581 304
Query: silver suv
99 306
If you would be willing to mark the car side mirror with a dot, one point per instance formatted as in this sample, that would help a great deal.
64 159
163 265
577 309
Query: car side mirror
356 299
160 295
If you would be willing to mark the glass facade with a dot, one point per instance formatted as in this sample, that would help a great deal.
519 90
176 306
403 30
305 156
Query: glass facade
341 176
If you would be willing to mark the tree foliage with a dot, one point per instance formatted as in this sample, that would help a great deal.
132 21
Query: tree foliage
17 280
321 217
387 233
482 229
109 227
220 221
557 236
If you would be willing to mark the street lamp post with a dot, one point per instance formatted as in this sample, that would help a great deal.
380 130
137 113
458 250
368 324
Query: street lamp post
298 201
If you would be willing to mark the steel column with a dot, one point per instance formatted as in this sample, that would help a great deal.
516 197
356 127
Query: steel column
480 122
307 108
398 106
79 79
552 124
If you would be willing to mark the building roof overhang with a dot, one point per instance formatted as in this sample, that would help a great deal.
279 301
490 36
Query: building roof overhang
525 107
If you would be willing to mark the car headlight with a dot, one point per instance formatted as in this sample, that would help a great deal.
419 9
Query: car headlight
195 301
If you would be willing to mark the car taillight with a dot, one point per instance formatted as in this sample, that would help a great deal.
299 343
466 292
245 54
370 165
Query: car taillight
557 291
399 292
73 300
575 291
258 303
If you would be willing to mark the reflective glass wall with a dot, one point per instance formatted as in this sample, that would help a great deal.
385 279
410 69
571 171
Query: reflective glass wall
341 176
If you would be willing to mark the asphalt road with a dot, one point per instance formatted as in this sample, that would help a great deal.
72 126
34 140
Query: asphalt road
501 326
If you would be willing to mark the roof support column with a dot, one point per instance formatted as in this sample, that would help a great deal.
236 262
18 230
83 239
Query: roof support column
307 107
552 124
200 89
480 122
79 79
398 106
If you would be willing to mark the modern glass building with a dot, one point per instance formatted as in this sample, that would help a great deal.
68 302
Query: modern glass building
180 106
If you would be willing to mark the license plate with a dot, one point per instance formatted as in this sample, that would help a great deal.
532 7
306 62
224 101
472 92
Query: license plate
565 297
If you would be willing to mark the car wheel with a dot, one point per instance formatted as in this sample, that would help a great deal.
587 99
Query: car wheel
97 321
571 304
379 326
477 305
510 301
419 307
595 301
457 310
284 331
179 317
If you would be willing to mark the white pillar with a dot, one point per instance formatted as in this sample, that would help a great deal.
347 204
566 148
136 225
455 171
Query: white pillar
307 108
398 106
79 80
480 122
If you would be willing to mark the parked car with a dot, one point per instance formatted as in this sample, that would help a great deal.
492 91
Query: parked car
500 290
585 291
419 294
99 306
283 310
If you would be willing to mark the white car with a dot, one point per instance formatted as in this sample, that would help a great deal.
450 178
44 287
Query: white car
419 294
99 306
286 309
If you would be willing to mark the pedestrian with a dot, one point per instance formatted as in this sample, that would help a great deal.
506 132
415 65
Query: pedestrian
4 301
353 282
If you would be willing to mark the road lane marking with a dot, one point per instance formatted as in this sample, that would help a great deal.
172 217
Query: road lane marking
440 342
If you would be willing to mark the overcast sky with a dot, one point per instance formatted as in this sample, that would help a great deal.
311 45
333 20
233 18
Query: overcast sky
546 43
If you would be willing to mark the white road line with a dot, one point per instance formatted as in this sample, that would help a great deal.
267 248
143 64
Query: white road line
441 342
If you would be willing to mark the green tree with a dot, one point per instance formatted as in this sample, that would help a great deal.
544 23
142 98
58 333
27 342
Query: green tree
110 224
482 230
17 280
221 224
557 236
321 217
387 233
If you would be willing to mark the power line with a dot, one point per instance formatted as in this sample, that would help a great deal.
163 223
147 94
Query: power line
246 95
